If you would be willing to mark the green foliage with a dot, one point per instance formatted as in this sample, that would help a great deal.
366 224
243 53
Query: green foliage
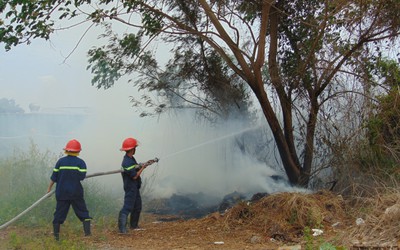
25 20
15 241
383 127
193 70
18 240
23 181
105 69
330 246
388 72
24 178
109 63
309 245
152 23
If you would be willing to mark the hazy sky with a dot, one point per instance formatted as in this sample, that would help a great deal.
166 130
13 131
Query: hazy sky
40 73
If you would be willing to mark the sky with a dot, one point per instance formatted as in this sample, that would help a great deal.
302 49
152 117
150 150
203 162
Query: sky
40 73
193 157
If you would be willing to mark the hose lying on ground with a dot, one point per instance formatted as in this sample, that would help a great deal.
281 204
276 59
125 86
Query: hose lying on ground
49 194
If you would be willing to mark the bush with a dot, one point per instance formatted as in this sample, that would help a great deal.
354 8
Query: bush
23 180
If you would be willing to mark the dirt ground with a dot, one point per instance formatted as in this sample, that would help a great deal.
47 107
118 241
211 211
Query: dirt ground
282 221
192 234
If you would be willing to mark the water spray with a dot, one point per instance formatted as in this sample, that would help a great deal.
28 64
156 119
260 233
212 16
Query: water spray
52 192
212 141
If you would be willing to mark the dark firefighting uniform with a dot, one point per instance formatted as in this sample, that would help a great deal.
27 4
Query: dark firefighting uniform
68 173
132 198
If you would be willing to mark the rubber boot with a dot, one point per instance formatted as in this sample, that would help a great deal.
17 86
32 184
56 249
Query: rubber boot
122 219
86 227
56 231
134 220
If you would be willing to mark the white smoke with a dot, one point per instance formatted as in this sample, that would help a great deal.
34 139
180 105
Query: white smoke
194 158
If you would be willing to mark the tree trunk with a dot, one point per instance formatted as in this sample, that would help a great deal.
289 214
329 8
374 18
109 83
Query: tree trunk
289 163
309 145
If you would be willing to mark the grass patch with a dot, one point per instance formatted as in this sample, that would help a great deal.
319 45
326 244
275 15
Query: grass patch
41 238
24 178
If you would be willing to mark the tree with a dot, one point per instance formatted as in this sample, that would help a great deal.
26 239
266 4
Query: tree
8 106
295 57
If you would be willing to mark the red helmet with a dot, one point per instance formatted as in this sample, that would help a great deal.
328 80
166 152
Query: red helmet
73 146
128 144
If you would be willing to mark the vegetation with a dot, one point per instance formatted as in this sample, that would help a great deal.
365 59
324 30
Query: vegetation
365 156
303 61
8 106
322 72
43 241
284 216
24 178
383 127
22 183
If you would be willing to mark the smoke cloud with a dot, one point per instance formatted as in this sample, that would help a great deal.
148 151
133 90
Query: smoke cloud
194 157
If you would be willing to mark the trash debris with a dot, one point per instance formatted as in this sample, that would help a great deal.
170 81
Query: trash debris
359 221
295 247
335 224
393 210
317 232
218 243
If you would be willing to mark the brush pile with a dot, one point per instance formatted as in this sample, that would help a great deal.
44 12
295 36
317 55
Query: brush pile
286 216
292 218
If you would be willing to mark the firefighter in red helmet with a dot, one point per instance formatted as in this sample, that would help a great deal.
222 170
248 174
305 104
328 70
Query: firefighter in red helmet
68 173
132 182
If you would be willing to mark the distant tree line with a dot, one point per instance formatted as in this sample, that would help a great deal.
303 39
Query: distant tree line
8 106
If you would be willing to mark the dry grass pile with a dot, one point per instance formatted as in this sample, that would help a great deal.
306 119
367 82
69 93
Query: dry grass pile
379 222
285 216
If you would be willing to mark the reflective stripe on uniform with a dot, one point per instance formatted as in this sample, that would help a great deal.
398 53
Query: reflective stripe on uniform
131 167
70 168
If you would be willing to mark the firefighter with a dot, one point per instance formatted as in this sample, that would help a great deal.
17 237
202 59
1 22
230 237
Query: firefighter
132 182
68 173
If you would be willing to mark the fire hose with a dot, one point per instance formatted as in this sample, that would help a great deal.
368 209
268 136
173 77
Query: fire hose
52 192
